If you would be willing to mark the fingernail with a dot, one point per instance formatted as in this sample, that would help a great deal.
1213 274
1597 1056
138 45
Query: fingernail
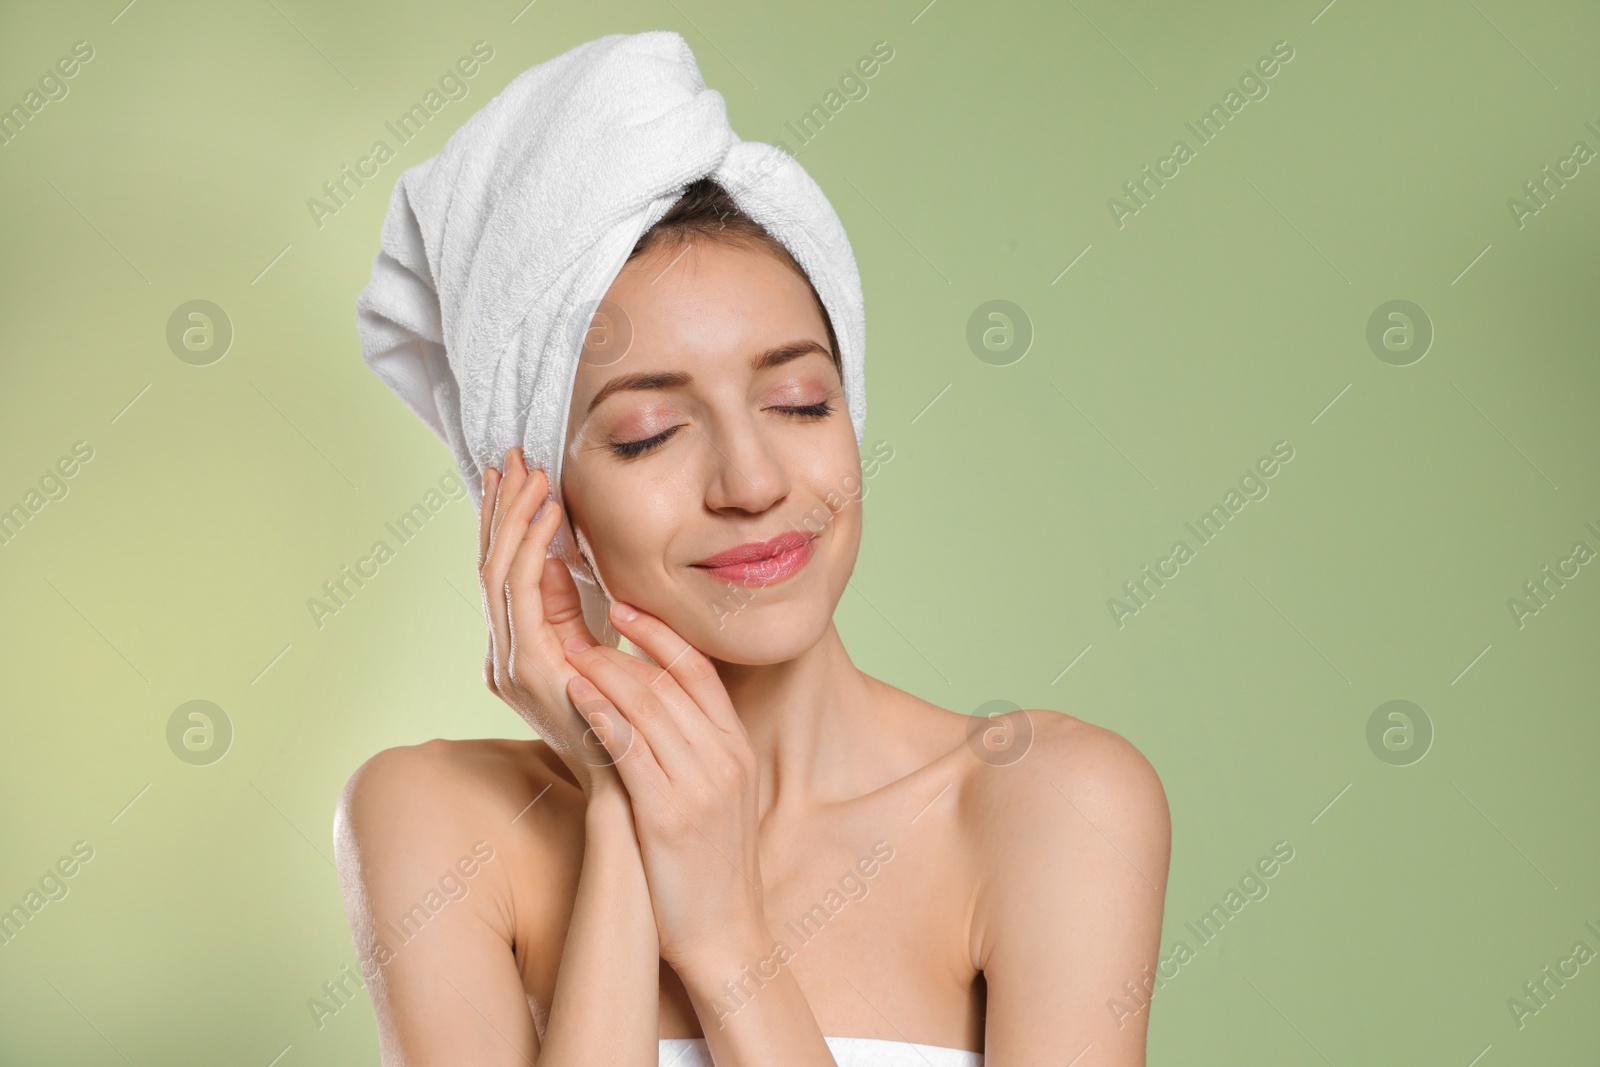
624 612
580 686
576 644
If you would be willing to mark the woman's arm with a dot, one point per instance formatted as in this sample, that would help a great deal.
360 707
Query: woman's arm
424 868
607 995
757 1024
445 986
1072 897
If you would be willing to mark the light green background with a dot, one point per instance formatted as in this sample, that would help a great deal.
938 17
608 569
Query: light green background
1230 313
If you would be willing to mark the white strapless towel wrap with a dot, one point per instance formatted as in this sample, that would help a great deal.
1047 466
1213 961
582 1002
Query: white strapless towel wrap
497 251
847 1052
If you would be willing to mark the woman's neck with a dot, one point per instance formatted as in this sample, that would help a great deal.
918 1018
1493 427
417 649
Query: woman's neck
818 725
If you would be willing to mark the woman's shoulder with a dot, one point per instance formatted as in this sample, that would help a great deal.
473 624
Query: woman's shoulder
426 796
1074 798
1025 750
1048 760
458 773
1063 818
1024 767
1025 754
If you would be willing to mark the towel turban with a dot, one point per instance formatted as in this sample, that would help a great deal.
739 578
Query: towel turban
497 251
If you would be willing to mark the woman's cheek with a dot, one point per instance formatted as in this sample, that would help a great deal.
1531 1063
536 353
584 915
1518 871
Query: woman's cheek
637 521
839 473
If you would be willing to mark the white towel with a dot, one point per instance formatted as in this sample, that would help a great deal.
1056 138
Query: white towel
496 251
847 1052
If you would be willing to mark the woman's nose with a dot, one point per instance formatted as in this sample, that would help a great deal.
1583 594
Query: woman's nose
747 474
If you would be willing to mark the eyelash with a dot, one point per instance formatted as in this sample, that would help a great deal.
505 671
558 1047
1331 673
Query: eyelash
630 449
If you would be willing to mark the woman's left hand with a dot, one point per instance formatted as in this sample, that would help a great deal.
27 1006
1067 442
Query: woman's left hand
691 777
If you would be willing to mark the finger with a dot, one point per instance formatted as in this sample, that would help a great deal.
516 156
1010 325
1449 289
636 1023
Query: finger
494 605
604 734
691 718
524 575
512 476
662 726
491 485
687 665
533 643
518 497
623 746
518 494
563 606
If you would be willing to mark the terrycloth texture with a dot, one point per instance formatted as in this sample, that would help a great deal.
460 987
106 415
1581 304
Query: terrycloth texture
497 251
847 1052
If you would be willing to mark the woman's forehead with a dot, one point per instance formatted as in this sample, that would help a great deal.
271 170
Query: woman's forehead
713 309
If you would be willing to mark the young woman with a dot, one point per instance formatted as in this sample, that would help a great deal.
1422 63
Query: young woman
768 856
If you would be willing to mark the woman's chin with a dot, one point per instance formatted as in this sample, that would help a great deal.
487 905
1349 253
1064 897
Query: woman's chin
756 638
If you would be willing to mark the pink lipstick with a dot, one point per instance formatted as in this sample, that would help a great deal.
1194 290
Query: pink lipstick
760 563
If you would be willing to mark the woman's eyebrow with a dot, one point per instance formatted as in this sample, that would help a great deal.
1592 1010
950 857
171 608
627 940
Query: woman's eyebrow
772 357
661 380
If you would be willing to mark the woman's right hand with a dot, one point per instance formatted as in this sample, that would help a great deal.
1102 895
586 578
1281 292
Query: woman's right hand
532 605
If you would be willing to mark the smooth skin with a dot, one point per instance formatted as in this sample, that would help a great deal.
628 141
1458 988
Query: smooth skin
742 837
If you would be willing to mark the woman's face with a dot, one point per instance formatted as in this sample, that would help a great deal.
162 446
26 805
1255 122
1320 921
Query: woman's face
719 425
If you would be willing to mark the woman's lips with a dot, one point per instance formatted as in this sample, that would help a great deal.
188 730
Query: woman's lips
761 562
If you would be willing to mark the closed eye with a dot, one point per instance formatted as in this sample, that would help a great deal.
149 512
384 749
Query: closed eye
815 411
630 449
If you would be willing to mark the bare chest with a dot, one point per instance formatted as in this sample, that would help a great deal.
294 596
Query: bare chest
870 909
